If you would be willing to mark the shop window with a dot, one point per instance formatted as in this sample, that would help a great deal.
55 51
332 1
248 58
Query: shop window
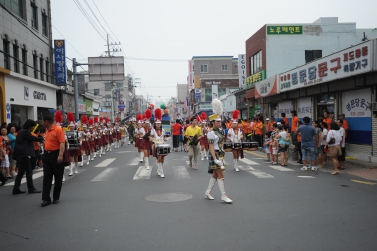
24 61
18 114
41 66
35 66
6 54
224 67
208 95
256 63
311 55
96 92
34 16
204 68
16 58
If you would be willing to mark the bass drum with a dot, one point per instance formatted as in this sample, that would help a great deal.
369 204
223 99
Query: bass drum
254 146
72 139
228 147
163 149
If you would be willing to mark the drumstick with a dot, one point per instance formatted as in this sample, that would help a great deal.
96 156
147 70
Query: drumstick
35 128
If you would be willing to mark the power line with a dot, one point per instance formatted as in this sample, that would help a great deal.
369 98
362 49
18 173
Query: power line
68 41
87 4
105 21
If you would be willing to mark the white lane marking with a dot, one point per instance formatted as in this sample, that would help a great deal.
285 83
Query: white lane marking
106 162
255 172
306 177
142 173
180 172
280 168
125 152
259 158
35 176
249 162
185 157
105 174
133 162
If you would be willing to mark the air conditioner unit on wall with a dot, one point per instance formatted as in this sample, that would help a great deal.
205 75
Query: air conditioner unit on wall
373 106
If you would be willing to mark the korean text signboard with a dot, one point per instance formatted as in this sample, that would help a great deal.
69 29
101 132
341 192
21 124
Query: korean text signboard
355 106
60 63
352 61
191 75
267 87
255 78
242 69
284 30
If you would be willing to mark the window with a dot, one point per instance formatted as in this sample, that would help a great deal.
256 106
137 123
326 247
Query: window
208 95
96 92
256 63
108 86
16 6
47 71
34 16
35 66
16 58
6 54
224 67
44 24
204 68
41 65
24 62
86 87
108 98
312 55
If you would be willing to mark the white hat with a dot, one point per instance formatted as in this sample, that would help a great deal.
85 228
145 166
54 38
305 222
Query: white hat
72 124
267 119
278 123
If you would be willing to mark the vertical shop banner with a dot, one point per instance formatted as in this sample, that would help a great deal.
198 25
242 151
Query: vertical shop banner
60 63
197 93
117 95
197 82
215 91
242 70
89 106
191 74
304 108
81 107
355 106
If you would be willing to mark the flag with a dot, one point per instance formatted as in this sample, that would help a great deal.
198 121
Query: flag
185 104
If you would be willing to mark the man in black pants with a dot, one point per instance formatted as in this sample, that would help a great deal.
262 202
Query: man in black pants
53 164
23 152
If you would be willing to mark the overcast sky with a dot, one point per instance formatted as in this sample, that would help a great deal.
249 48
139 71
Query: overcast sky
159 36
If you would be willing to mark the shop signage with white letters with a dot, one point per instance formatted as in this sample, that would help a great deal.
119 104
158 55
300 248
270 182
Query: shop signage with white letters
356 103
266 87
39 95
304 107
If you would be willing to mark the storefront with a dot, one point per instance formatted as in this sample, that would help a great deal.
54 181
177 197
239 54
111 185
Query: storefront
27 98
241 104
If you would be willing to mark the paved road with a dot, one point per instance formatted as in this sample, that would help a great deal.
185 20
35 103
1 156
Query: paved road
106 207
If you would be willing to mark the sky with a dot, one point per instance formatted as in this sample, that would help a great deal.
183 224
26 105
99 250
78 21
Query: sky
158 37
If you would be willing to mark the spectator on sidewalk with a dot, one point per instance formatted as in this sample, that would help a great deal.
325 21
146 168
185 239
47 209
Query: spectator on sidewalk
12 143
334 147
308 137
327 119
342 158
23 152
294 128
345 124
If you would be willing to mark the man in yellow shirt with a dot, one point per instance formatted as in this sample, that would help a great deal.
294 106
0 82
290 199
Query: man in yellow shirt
190 133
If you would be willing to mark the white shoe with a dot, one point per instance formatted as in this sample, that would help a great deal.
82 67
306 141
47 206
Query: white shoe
82 163
304 168
161 171
87 162
63 177
207 194
224 197
202 157
314 168
146 161
128 143
76 168
158 169
70 170
53 181
236 165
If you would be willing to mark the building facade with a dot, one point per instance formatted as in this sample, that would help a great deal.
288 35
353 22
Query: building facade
27 89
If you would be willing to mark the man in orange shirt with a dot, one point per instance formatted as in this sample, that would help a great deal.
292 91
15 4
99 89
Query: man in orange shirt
246 129
327 119
294 127
258 131
271 124
53 164
285 120
345 123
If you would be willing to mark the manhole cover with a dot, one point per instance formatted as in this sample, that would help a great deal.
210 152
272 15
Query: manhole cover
168 197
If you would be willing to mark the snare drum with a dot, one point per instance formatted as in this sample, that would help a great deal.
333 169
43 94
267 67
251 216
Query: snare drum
254 146
246 145
163 149
228 146
72 139
237 145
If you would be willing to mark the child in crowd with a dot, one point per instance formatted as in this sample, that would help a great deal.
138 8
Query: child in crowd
267 145
275 146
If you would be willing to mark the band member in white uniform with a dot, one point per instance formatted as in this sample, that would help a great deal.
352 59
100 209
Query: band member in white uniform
235 135
92 139
138 135
74 153
145 143
216 164
158 135
85 147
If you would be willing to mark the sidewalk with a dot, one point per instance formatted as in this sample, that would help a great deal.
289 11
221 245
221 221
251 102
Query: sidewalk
363 169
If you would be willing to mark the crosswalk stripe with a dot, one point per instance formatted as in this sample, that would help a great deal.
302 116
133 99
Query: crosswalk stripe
133 162
106 162
105 174
249 162
35 176
280 168
142 173
180 172
255 172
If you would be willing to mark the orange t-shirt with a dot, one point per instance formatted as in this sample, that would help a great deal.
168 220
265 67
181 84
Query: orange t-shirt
294 123
259 128
345 124
328 122
54 137
246 127
286 122
36 146
299 137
